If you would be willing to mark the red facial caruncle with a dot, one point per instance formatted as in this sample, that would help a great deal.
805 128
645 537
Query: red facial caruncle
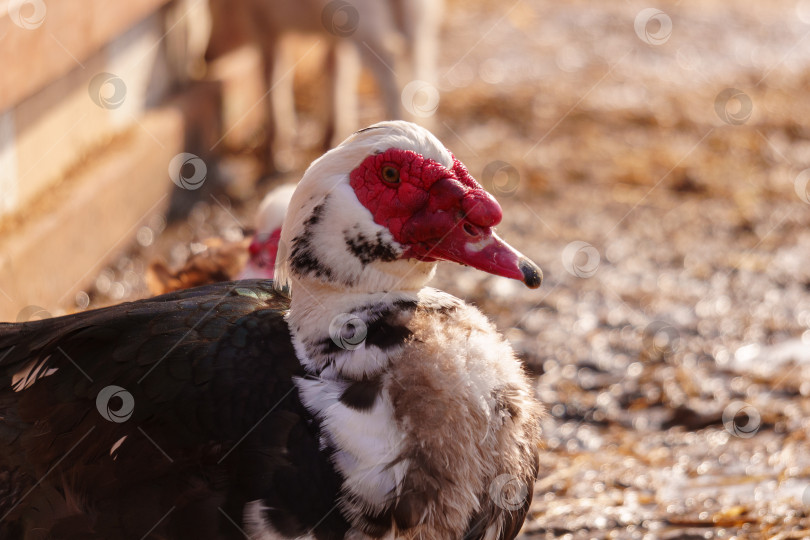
263 250
438 213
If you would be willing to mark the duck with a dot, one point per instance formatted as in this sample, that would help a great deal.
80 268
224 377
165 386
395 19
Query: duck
344 399
263 248
221 260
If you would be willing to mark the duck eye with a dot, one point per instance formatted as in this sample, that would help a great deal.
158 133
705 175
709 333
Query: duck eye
390 175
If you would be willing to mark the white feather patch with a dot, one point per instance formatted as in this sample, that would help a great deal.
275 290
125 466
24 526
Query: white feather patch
366 442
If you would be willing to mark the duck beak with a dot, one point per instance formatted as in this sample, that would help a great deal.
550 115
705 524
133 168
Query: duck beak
458 225
444 214
481 248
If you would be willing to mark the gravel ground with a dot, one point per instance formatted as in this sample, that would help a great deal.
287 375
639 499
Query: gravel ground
671 338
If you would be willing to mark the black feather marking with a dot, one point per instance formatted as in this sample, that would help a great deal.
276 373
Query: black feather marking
386 334
387 328
368 249
369 128
327 347
361 395
303 259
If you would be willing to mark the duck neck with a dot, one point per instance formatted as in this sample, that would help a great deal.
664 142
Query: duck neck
350 334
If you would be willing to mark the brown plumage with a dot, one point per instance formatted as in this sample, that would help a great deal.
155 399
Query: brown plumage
441 407
219 261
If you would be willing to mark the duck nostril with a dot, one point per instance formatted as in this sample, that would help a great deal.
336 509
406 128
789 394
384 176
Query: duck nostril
470 230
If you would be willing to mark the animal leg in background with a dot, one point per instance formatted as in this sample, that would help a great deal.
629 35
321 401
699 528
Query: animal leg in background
343 70
280 122
381 46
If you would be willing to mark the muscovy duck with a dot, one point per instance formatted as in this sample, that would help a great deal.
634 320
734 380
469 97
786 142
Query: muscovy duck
263 248
221 260
362 404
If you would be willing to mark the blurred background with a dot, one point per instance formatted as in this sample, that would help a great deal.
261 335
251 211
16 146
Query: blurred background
653 159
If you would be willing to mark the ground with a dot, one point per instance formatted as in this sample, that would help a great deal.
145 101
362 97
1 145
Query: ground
651 163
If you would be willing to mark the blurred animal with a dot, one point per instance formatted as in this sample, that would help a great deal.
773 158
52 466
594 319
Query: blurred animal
223 261
363 405
265 244
396 39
